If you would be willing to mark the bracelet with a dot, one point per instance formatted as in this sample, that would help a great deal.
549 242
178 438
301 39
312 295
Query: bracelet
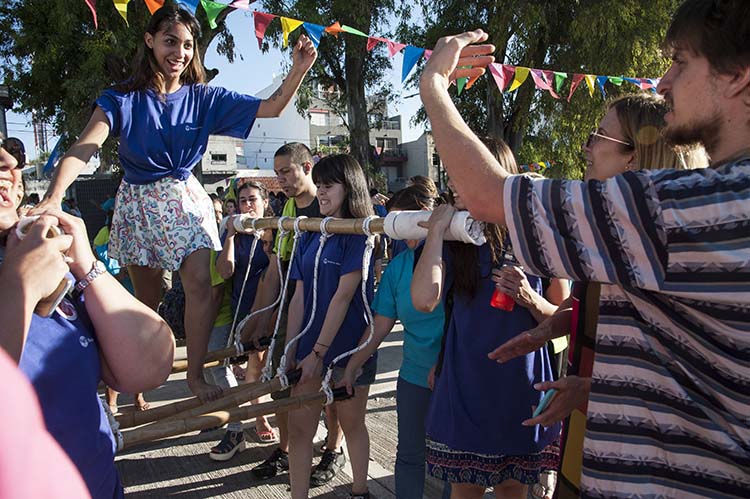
97 269
322 344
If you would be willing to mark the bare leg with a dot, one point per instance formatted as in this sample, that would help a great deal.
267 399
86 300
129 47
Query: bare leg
351 414
466 491
302 424
199 319
335 435
112 400
282 420
511 489
254 371
147 283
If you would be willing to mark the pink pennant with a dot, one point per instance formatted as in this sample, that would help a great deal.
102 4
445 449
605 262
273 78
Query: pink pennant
372 41
427 54
503 74
577 79
541 82
262 21
394 47
92 6
241 4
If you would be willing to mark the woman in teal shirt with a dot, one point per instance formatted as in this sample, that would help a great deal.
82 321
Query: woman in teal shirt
422 336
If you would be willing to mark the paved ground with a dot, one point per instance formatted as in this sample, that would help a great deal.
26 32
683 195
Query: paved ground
181 467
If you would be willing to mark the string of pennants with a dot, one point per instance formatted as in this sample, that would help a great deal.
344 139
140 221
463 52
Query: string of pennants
536 167
505 76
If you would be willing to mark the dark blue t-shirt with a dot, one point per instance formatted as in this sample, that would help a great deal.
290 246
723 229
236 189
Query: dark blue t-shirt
61 359
242 246
162 138
341 255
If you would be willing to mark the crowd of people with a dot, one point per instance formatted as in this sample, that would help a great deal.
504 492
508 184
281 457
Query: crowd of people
632 382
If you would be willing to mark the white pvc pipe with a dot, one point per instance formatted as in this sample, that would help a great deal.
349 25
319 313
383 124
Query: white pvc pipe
403 225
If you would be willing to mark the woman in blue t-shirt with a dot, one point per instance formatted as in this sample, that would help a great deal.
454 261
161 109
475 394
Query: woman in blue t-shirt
422 334
475 436
163 115
340 317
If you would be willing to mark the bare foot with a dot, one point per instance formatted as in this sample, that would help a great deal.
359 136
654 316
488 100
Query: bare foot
203 390
140 403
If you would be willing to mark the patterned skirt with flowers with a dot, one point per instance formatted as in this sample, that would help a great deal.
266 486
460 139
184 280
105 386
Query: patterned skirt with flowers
158 225
487 470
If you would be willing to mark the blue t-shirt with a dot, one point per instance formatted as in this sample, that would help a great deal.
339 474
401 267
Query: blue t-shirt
397 247
422 331
341 255
167 138
242 245
61 359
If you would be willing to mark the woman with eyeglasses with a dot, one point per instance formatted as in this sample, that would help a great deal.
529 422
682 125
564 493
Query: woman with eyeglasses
629 137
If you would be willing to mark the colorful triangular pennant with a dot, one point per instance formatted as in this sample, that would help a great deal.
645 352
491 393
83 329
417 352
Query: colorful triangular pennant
411 56
590 80
335 29
92 6
601 80
502 74
122 9
261 24
240 4
287 26
154 5
577 79
192 5
559 80
372 41
521 74
353 31
213 9
394 47
315 32
427 54
541 82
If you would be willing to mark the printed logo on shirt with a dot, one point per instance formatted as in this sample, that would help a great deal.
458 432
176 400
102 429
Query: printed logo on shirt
189 128
85 341
327 261
67 310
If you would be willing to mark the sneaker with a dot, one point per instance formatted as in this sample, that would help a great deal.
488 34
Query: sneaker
330 464
363 495
277 462
231 443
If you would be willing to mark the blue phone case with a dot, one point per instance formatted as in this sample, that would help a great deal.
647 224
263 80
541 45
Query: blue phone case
545 402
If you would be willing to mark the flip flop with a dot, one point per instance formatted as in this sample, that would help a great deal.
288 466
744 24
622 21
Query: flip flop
266 436
143 407
113 408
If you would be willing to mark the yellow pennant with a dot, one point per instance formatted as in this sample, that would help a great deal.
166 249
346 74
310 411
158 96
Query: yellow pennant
590 80
521 74
287 26
122 8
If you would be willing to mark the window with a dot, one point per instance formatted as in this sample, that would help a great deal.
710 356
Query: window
318 119
218 159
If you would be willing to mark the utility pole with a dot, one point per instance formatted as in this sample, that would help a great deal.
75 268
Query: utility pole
5 104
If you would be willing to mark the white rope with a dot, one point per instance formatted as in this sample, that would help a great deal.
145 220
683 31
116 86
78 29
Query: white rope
256 238
240 326
267 372
324 235
366 258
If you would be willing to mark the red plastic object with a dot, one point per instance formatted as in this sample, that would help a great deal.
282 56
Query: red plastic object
502 301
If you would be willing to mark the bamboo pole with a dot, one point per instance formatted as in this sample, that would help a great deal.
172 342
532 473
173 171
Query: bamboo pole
335 226
213 358
166 429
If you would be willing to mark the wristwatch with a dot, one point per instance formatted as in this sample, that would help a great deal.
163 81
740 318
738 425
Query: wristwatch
97 269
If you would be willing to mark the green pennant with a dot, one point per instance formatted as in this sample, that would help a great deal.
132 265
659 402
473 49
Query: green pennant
213 9
349 29
460 84
616 80
559 80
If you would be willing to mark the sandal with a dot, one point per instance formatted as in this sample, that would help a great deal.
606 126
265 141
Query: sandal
266 436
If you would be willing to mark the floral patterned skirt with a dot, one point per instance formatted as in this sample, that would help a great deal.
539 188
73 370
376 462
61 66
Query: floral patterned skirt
158 225
488 470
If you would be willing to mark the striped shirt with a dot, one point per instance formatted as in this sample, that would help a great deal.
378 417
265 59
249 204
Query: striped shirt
669 409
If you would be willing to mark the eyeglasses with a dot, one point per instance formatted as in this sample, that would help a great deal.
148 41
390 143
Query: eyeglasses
594 136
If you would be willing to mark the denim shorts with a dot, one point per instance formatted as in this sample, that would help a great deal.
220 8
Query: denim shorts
365 378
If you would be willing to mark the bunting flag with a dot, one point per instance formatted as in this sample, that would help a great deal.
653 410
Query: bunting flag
213 9
559 80
536 167
394 47
54 157
503 74
590 79
315 32
154 5
92 6
261 24
427 54
349 29
191 5
601 80
240 4
521 74
411 56
372 41
577 79
287 26
122 9
335 29
541 82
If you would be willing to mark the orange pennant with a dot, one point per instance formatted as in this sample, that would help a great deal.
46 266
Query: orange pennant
154 5
334 29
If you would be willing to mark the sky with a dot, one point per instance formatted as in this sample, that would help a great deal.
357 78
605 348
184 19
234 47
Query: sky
249 75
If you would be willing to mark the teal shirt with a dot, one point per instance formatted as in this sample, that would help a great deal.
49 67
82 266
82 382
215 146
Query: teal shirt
422 331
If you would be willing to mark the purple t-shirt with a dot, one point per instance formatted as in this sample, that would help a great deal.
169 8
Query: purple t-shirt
162 138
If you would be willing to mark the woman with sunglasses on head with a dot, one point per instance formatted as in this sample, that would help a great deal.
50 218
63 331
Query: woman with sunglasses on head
474 435
98 332
163 115
629 137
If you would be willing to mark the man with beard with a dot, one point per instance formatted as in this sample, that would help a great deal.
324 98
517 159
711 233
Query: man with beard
667 414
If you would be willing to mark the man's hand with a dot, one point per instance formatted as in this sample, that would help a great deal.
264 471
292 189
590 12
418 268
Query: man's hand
304 54
457 57
572 392
440 219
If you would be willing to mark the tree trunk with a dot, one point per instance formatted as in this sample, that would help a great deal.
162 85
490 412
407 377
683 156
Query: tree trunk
359 129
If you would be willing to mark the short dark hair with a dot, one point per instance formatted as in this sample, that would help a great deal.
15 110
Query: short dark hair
718 30
299 152
344 169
